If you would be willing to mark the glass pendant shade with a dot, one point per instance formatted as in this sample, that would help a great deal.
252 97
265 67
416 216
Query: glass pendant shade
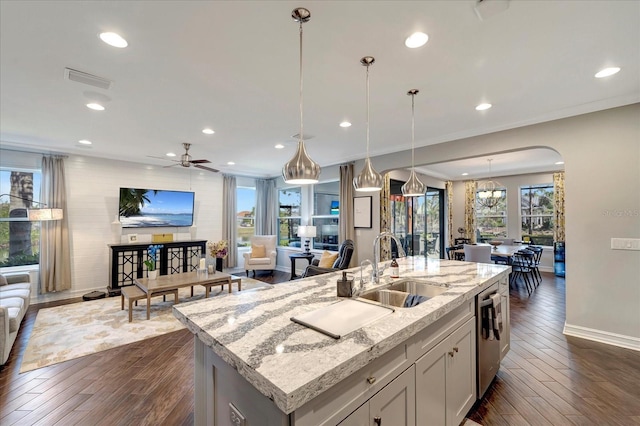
413 187
368 180
301 169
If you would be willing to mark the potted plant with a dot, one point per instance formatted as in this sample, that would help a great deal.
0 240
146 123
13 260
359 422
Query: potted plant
152 256
218 250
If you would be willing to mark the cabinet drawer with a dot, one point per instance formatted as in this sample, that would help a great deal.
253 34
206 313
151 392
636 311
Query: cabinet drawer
433 334
336 403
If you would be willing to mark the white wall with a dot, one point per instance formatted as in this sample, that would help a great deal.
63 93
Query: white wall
92 205
601 151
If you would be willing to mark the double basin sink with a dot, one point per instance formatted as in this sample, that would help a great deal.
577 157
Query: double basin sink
404 294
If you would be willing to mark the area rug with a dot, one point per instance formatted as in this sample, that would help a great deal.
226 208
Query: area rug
72 331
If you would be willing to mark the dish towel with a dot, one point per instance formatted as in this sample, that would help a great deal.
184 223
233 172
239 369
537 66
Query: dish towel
496 308
414 300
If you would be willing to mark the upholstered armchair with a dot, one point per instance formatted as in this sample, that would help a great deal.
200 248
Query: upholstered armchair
262 255
345 251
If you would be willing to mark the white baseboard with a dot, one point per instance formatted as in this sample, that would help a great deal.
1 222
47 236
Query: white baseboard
606 337
63 295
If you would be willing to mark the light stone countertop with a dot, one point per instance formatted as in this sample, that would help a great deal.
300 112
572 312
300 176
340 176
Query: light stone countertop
290 363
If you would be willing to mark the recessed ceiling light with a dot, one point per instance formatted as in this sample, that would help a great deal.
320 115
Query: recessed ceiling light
113 39
170 154
96 107
465 174
208 131
483 107
345 124
279 146
230 163
559 162
84 142
416 40
607 72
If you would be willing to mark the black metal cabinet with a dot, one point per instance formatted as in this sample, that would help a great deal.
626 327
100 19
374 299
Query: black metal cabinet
127 261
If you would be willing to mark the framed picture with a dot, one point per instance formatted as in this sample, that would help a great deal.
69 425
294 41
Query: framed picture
362 212
132 238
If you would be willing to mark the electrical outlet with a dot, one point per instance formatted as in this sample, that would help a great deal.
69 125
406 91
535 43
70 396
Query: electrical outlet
236 417
625 244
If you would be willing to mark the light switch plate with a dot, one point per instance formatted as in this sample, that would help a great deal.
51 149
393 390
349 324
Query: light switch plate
236 417
625 243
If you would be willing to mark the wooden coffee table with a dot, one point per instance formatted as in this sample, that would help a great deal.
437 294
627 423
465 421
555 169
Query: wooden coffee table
175 281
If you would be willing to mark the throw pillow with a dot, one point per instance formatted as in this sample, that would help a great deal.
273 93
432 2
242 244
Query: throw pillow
3 280
258 250
327 259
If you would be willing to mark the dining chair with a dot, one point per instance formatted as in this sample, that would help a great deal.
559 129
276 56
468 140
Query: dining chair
522 266
479 253
537 255
451 255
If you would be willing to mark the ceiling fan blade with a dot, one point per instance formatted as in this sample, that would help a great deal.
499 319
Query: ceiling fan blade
199 161
206 168
160 158
173 165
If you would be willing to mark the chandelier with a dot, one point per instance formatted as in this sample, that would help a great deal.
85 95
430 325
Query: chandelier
489 191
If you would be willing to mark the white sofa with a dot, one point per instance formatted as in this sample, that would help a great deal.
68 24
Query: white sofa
268 262
15 295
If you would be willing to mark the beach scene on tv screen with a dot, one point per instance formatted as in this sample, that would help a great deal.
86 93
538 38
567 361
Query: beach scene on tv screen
141 208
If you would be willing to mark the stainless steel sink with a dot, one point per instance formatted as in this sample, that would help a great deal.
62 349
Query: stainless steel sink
396 294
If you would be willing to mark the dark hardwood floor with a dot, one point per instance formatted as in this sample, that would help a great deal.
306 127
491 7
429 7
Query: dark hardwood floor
546 379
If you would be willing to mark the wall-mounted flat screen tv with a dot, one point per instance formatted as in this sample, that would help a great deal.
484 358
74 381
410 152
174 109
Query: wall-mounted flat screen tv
145 208
335 207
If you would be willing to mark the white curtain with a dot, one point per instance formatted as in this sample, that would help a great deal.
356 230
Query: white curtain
347 231
55 262
229 196
266 207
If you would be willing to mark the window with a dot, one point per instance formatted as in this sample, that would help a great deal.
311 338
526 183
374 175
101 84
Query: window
326 211
289 201
246 213
491 222
536 212
19 238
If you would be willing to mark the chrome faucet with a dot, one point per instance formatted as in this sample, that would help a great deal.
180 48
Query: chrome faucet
364 262
375 275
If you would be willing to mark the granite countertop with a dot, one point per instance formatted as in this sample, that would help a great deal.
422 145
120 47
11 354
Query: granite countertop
290 363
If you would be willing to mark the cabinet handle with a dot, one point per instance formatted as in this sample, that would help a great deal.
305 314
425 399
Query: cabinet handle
377 421
451 354
371 380
455 349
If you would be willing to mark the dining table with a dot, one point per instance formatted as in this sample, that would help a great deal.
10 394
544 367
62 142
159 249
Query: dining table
502 250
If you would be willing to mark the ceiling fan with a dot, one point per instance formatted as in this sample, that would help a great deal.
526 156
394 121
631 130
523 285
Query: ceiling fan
186 161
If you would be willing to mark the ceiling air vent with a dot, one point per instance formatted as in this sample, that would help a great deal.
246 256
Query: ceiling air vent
86 78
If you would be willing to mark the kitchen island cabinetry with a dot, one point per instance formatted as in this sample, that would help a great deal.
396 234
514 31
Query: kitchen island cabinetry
505 337
446 379
253 362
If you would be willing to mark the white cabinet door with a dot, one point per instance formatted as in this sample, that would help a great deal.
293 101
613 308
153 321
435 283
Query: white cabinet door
461 372
395 404
360 417
431 386
446 379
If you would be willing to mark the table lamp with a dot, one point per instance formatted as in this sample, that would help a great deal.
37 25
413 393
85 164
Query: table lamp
308 232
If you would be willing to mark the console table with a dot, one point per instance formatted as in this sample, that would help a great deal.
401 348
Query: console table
126 261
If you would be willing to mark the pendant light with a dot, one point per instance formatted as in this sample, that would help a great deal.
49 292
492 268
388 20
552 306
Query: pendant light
413 187
301 169
489 194
368 180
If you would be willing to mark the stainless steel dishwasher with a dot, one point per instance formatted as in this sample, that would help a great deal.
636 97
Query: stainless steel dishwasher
488 351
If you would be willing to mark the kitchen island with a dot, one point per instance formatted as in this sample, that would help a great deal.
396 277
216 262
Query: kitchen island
252 362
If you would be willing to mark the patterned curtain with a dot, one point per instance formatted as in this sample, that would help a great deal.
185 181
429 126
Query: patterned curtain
558 187
385 217
448 187
470 210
